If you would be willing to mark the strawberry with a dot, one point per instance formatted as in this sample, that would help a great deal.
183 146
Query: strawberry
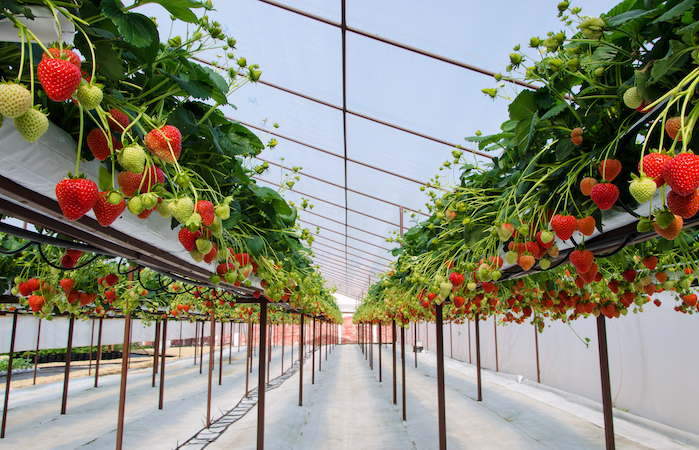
661 276
15 100
642 189
505 231
545 239
181 209
681 173
67 284
129 183
459 301
243 259
592 28
117 120
582 260
73 297
212 254
59 78
586 225
609 169
145 213
154 175
188 239
89 96
165 143
576 136
653 164
526 262
67 54
564 226
614 286
673 127
74 254
672 231
68 262
629 275
684 206
76 196
657 302
105 212
98 145
24 289
586 185
132 158
651 262
590 275
34 284
36 302
689 299
111 279
110 295
632 98
604 195
456 279
32 124
206 210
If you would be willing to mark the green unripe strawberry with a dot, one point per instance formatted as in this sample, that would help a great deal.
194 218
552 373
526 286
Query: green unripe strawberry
592 28
196 255
686 283
182 180
668 284
642 189
632 98
599 71
495 275
89 96
215 279
223 211
551 43
563 6
534 42
511 257
515 59
181 209
135 206
193 222
644 226
544 263
573 64
114 198
546 236
15 100
664 218
556 64
32 124
163 209
132 158
231 277
149 200
204 245
216 227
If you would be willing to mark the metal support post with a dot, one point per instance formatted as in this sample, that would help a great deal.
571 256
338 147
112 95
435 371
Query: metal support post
440 379
161 395
69 354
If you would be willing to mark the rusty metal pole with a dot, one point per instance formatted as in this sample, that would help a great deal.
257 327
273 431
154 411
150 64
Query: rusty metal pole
9 373
69 354
36 355
92 337
261 388
380 367
415 339
247 358
283 331
230 345
478 357
220 358
536 343
99 352
269 348
240 334
301 363
393 339
606 385
212 335
313 357
161 394
156 346
327 342
124 371
320 346
201 348
495 328
402 352
196 340
440 379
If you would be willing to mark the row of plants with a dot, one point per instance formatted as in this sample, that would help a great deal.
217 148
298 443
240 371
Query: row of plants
144 107
604 140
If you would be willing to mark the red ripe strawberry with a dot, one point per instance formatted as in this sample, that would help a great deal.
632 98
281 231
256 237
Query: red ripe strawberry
582 260
526 262
73 297
76 196
657 302
59 78
649 289
614 286
564 226
604 195
684 206
627 298
653 164
68 262
629 275
532 247
105 212
651 262
609 169
206 210
590 275
154 175
165 143
24 289
67 54
36 302
586 225
188 239
110 295
243 259
224 268
672 231
459 301
128 182
456 279
34 284
673 127
74 254
690 299
576 136
98 145
586 185
579 282
67 284
661 276
145 213
212 254
681 173
542 244
117 120
111 279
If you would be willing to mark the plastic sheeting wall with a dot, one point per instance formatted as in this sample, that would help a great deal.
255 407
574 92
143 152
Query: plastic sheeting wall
54 333
652 358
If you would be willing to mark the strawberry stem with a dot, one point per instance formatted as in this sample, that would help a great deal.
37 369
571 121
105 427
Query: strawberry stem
80 138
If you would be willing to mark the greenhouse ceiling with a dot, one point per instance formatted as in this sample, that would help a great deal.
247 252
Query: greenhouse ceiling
370 98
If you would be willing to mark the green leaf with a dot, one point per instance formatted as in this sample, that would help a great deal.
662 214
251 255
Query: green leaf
627 16
179 8
553 112
524 106
183 119
105 179
676 11
563 149
271 196
289 219
255 245
136 29
195 88
673 61
219 84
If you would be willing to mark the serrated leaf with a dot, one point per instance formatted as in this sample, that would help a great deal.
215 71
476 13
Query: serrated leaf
563 149
553 112
178 8
272 197
183 119
194 88
524 106
676 11
219 84
255 245
627 17
673 61
136 29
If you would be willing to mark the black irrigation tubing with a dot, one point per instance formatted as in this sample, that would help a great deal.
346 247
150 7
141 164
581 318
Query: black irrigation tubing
24 247
629 237
49 240
67 269
627 209
127 272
